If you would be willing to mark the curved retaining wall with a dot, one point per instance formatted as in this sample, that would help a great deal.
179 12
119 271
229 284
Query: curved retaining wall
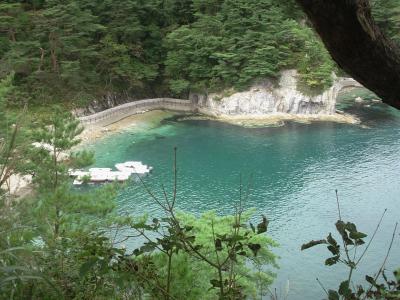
135 107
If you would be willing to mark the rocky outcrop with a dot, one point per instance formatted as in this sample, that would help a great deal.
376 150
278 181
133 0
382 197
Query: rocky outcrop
267 98
263 99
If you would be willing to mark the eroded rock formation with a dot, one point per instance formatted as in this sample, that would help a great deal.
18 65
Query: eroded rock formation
267 98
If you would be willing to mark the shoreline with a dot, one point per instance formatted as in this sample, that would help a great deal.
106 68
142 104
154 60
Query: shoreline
140 121
278 119
150 119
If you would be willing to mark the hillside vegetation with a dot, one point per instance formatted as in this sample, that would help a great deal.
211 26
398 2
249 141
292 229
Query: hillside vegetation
59 242
76 51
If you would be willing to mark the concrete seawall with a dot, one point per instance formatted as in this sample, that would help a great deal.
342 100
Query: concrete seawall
131 108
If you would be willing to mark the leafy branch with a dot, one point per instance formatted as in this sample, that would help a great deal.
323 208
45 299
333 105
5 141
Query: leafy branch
351 239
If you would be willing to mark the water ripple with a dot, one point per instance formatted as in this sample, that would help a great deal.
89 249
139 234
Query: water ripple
293 172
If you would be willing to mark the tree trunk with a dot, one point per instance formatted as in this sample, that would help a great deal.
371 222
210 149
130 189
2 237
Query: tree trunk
41 59
357 45
11 33
53 47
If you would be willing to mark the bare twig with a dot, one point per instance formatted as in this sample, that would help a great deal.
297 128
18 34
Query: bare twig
322 286
384 261
373 236
175 179
338 205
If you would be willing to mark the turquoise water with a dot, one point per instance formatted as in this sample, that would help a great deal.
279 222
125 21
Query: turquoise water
293 172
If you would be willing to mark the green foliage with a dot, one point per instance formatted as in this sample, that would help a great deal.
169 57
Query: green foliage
314 63
345 252
252 249
5 88
49 161
16 256
64 247
77 51
45 238
60 242
80 50
12 138
82 158
53 138
179 86
202 257
237 42
387 15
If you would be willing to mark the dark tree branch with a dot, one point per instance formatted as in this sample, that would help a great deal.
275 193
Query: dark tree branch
357 44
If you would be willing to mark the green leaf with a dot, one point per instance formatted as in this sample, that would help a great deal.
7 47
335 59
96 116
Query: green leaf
137 252
334 249
351 227
148 247
312 244
232 256
332 260
331 240
340 226
370 280
263 226
190 239
218 245
397 275
198 247
215 283
333 295
360 242
166 245
87 266
188 228
254 248
357 235
344 289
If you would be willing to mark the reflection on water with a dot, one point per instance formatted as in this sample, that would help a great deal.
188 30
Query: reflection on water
293 171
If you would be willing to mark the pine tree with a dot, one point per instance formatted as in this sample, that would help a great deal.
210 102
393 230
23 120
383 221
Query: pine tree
50 160
10 136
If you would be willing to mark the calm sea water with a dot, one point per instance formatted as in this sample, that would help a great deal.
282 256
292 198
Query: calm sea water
293 172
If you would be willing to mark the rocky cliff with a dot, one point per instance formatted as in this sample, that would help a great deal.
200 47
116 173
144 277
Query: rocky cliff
264 98
268 98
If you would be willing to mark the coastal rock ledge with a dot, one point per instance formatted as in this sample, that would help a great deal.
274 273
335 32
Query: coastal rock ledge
265 98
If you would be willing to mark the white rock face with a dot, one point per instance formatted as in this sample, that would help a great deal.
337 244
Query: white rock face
359 99
265 99
16 183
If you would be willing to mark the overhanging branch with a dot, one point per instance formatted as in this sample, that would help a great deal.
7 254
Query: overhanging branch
357 44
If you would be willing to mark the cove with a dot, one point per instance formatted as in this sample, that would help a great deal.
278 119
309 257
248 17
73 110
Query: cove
292 170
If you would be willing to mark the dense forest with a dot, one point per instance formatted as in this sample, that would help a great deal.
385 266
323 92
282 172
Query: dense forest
77 51
56 243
